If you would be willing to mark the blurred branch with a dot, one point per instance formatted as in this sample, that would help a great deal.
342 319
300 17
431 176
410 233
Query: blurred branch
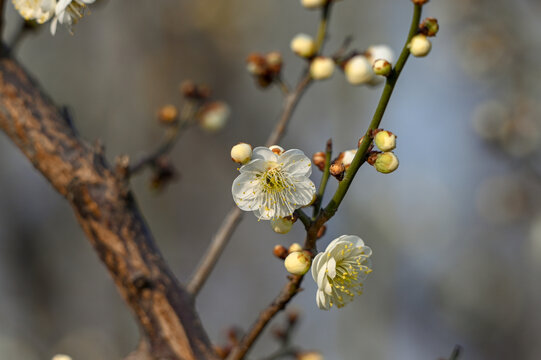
108 214
26 28
292 287
233 218
455 355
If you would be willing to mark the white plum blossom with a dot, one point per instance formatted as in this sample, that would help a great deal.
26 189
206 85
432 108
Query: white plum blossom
274 185
38 10
339 271
68 12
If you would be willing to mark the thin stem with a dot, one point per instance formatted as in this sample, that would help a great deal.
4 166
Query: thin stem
322 29
456 353
305 219
324 179
224 233
292 287
282 86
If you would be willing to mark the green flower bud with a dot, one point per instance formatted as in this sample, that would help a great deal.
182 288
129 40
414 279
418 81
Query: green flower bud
386 163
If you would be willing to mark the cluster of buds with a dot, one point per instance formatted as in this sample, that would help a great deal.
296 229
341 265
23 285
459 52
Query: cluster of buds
265 68
385 161
297 261
420 45
192 91
370 67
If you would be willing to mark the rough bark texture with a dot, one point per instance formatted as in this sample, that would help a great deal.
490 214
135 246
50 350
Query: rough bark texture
108 214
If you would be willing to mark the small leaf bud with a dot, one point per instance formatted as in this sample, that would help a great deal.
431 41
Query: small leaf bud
298 262
429 27
382 67
376 52
358 70
322 68
256 64
385 140
386 162
419 45
168 114
303 45
319 159
278 150
321 232
241 153
280 252
295 247
337 170
313 4
214 115
282 225
309 355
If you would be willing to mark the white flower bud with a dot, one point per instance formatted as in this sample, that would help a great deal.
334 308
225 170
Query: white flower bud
61 357
297 263
214 115
312 4
419 45
322 68
241 153
386 163
358 70
385 140
376 52
347 158
278 150
303 45
281 225
382 67
294 248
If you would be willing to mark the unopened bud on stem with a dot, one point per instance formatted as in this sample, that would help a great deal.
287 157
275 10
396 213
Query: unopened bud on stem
419 45
385 140
319 159
386 162
241 153
298 262
303 45
322 68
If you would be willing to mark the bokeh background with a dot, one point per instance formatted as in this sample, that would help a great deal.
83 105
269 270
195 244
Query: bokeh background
456 231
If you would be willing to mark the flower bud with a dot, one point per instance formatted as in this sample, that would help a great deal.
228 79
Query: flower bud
337 170
419 2
385 140
358 70
280 252
319 159
386 162
61 357
382 67
313 4
294 248
281 225
322 68
256 64
419 45
298 262
168 114
376 52
214 115
309 355
303 45
241 153
321 232
278 150
429 27
274 61
347 157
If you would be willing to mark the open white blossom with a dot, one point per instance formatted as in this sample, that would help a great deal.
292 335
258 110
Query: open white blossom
68 12
38 10
339 271
272 185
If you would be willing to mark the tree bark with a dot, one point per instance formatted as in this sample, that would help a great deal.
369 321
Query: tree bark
108 214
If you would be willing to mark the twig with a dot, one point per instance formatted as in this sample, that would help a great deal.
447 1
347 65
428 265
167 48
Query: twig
24 30
324 179
292 287
456 353
305 219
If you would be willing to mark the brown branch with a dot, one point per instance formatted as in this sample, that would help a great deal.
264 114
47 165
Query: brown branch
234 216
108 214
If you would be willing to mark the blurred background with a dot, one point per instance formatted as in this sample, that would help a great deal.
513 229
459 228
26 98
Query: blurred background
456 231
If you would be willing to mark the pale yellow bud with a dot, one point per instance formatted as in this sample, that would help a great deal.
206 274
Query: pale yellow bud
420 46
295 247
385 140
313 4
303 45
386 163
297 263
309 355
321 68
241 153
214 115
382 67
281 225
358 70
61 357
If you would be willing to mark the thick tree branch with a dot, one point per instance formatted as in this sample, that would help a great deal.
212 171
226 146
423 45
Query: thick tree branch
108 214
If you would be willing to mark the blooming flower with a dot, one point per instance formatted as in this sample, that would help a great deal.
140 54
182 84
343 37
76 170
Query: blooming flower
68 12
274 185
38 10
339 271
